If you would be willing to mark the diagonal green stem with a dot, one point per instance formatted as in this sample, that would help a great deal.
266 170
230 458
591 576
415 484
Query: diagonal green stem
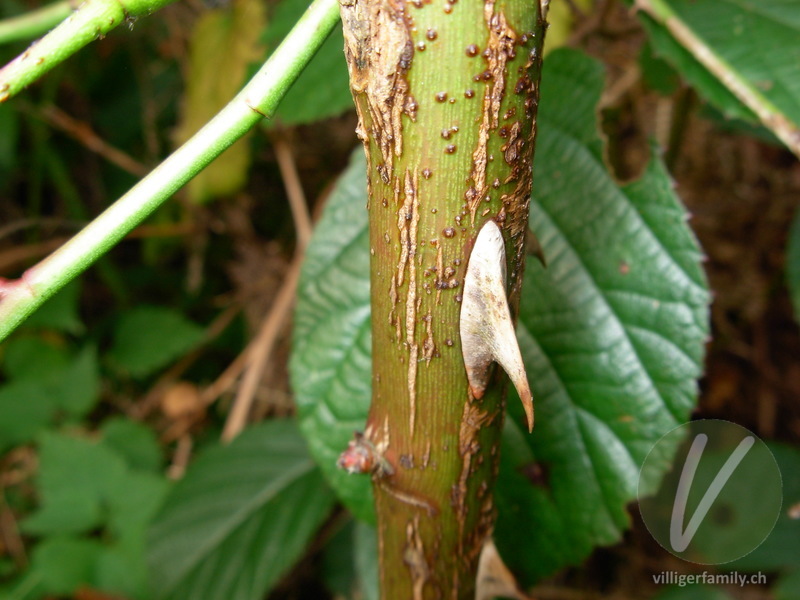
93 20
770 115
34 23
258 99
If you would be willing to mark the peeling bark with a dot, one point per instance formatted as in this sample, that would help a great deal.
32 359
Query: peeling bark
446 99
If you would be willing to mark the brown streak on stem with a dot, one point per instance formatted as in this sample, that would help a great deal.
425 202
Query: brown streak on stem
500 48
409 215
414 558
472 421
439 270
409 499
380 75
428 345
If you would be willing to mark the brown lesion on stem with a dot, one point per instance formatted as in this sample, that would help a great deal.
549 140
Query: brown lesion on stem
379 51
409 499
518 155
499 50
473 420
428 345
415 559
407 222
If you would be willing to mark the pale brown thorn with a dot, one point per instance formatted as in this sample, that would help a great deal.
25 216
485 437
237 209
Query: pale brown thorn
487 330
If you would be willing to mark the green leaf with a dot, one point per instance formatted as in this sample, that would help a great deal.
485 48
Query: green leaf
707 85
239 519
132 504
72 383
330 365
135 442
692 592
788 587
25 409
45 384
323 89
612 335
29 357
657 73
781 549
337 568
350 562
122 568
77 478
63 564
85 486
148 338
76 388
122 573
758 39
366 559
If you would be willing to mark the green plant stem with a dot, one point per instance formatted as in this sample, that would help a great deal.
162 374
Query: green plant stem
93 20
770 115
446 97
258 99
34 23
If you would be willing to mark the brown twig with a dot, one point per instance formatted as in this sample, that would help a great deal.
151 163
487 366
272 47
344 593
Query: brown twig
10 536
41 222
258 352
255 356
86 136
183 451
629 78
14 257
294 190
227 378
588 23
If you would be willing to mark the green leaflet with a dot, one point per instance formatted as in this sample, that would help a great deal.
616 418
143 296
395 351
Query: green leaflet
612 335
147 338
330 365
93 509
239 519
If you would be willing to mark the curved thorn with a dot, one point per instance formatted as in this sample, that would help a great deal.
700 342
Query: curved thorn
487 331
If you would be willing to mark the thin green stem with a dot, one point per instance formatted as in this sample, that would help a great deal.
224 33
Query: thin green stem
258 99
770 115
34 23
93 20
